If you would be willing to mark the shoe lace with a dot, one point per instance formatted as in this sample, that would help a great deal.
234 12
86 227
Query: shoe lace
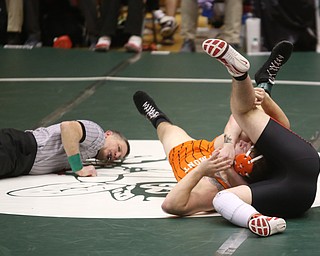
274 67
150 111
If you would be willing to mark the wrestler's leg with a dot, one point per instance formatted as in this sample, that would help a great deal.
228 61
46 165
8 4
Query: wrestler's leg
254 121
235 210
171 135
250 119
234 204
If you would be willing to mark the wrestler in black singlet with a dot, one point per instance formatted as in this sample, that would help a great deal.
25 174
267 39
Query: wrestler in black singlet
293 170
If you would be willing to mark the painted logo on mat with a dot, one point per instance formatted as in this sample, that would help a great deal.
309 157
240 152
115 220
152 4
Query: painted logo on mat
134 188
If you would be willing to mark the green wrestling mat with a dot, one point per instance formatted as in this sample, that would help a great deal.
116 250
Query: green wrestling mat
44 86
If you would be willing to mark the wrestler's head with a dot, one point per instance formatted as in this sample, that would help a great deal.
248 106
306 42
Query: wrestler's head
250 165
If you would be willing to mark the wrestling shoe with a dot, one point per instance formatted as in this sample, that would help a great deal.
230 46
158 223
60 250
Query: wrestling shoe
266 226
103 44
236 64
188 46
134 44
148 108
267 73
168 26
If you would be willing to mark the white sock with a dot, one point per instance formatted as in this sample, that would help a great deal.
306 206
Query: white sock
232 208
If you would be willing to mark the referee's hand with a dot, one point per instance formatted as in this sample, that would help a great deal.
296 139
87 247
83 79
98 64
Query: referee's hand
87 171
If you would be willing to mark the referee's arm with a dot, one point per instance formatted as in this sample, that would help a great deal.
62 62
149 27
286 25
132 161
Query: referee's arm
71 135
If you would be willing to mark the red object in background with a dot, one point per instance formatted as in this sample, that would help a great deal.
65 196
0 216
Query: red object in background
62 42
149 47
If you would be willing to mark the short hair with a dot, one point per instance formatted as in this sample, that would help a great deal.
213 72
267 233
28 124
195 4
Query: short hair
120 135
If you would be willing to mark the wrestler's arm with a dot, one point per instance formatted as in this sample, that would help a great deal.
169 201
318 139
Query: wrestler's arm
229 138
194 193
270 107
232 133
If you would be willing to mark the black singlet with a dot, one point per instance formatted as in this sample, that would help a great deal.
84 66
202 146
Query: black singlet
294 168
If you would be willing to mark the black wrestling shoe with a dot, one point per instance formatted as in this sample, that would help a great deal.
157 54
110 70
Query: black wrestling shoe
148 108
267 73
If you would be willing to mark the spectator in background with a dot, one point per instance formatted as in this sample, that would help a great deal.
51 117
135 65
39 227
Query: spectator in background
189 24
14 21
47 20
231 29
32 23
293 20
166 19
110 10
91 14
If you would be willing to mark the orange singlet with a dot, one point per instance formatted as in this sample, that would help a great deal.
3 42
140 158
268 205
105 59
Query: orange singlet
188 155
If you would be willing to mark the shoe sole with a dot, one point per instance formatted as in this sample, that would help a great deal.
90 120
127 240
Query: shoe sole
284 49
215 47
132 48
101 48
222 51
261 226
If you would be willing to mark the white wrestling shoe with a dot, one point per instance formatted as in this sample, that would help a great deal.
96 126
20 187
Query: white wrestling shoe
266 226
236 64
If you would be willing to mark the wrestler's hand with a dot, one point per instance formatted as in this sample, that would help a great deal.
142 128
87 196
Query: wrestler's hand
227 151
214 164
260 95
87 171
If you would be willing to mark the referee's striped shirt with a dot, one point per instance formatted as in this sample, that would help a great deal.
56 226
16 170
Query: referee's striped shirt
51 156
